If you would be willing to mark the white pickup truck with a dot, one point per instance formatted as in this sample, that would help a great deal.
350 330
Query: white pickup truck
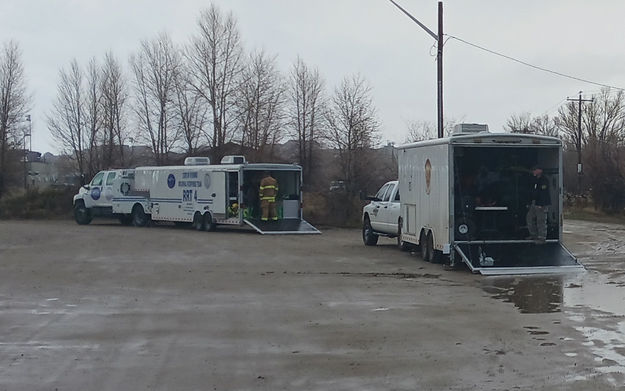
381 217
96 198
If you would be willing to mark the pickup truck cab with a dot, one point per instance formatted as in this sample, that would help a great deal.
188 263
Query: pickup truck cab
381 217
95 199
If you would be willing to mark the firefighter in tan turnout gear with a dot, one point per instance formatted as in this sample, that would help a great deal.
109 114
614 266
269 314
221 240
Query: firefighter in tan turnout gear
267 193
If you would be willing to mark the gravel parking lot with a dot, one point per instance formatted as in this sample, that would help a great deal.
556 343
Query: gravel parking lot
106 307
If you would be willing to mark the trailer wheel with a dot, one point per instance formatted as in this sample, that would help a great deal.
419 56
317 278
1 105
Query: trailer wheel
434 256
82 215
403 246
209 224
423 244
368 236
139 218
198 222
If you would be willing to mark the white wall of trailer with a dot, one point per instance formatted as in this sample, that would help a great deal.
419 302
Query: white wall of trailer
177 192
425 194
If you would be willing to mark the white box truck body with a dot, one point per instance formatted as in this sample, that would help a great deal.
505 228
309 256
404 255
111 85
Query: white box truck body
466 197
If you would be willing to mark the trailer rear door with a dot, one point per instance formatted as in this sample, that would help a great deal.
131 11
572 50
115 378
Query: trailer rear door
281 227
517 258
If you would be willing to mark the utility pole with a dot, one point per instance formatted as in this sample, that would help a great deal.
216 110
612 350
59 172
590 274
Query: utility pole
439 70
580 170
439 58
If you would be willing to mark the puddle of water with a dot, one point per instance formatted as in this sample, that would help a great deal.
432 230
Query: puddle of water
608 346
593 303
531 295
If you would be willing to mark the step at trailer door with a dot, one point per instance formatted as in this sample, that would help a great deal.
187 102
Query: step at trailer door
517 257
281 227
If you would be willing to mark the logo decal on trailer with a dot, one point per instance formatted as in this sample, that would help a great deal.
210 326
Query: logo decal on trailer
171 181
95 193
428 176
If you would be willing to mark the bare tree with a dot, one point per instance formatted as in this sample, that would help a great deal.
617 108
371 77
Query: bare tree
526 124
214 58
352 126
544 125
604 119
305 112
260 105
602 141
191 112
92 115
425 130
519 123
66 121
113 105
419 131
156 68
14 102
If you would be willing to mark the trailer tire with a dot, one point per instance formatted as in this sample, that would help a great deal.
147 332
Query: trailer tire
423 244
368 236
403 246
434 256
82 215
209 224
198 222
139 218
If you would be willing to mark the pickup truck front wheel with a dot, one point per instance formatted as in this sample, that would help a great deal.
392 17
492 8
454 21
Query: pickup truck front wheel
81 213
368 236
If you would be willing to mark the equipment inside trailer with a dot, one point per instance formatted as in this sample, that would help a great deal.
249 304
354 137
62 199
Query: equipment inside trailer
492 191
288 203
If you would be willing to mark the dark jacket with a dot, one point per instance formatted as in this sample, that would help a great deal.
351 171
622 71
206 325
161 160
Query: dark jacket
540 191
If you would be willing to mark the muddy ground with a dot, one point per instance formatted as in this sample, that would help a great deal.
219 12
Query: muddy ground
106 307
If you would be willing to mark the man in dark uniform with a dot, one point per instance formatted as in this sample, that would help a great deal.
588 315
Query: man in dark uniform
540 201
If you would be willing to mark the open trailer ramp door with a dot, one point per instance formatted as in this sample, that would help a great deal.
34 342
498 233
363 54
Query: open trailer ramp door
522 257
282 227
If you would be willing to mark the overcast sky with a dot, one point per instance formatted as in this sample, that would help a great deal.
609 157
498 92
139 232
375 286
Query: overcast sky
343 37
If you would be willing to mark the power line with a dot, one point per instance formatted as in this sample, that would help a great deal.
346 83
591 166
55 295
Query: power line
534 66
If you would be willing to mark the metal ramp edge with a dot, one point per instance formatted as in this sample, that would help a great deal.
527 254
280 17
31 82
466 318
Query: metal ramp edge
520 270
293 227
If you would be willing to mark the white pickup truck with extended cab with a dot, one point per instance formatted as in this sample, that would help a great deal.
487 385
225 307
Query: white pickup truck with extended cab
381 216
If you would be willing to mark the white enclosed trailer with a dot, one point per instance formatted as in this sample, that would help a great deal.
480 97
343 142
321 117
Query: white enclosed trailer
465 198
208 195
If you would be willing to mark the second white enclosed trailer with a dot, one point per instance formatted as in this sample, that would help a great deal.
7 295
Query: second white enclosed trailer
221 194
465 198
